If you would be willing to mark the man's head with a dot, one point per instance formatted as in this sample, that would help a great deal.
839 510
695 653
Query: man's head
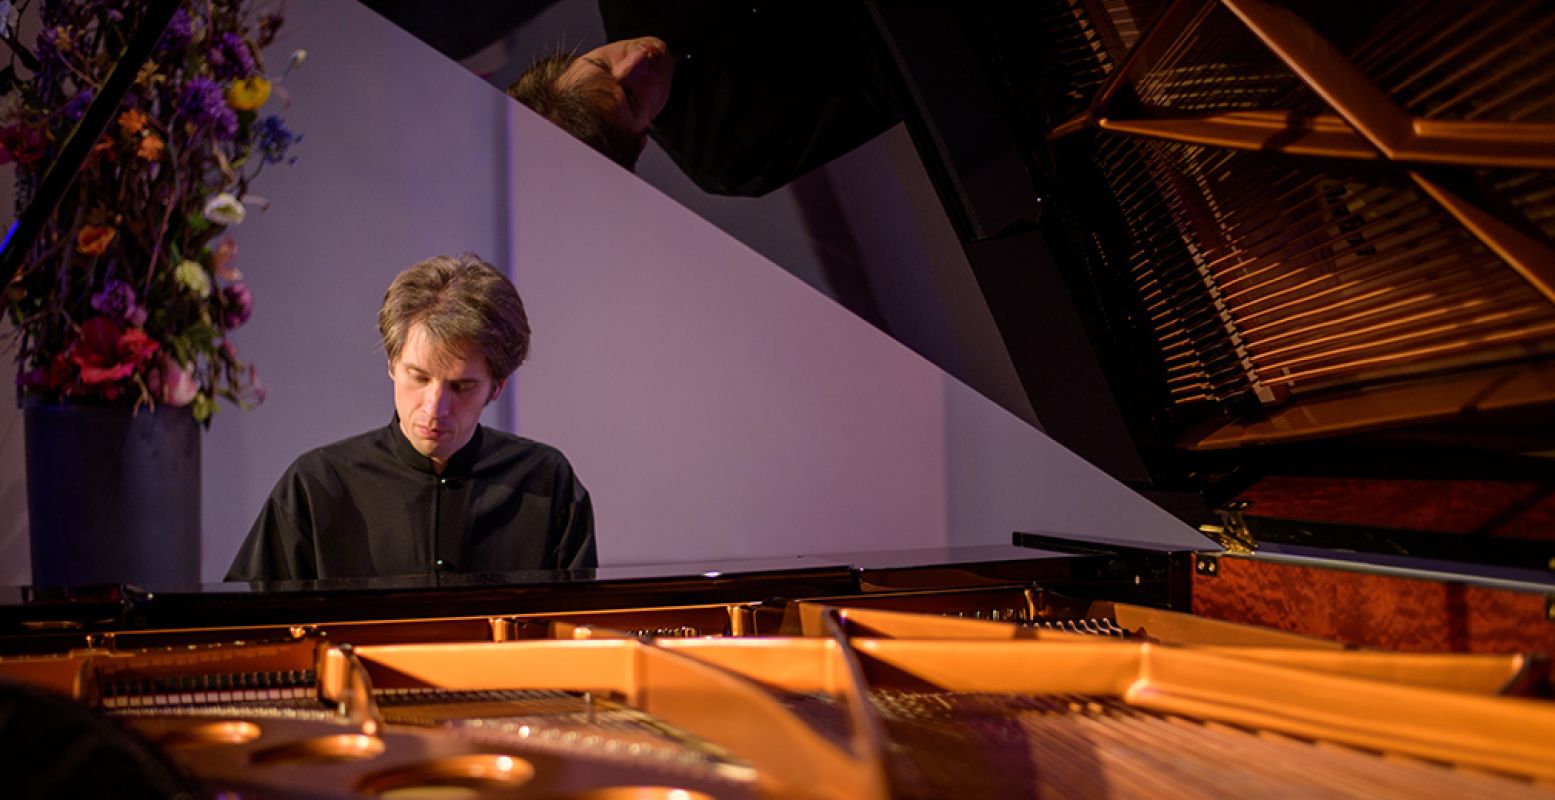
605 97
454 330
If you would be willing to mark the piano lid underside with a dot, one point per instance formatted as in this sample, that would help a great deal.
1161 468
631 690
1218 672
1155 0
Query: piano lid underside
1282 218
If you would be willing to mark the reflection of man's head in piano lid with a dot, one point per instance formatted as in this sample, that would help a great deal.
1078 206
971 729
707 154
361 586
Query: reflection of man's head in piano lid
454 330
605 97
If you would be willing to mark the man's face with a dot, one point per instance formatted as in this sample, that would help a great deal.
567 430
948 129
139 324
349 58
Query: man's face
634 74
439 391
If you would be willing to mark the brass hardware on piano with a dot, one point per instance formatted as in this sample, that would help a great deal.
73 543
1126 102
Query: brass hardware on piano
865 701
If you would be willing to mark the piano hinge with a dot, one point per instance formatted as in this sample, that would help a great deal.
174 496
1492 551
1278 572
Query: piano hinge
1232 534
1206 564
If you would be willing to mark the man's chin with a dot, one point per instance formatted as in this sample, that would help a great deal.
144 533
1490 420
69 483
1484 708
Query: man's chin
437 449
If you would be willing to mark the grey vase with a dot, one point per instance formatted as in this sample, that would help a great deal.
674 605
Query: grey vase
112 496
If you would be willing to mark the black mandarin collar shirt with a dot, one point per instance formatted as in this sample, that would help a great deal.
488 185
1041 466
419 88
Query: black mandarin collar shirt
371 505
459 464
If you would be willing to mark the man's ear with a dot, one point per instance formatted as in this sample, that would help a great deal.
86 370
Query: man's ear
496 390
391 369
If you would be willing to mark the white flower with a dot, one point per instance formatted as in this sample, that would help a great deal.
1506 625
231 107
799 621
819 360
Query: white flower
224 209
194 278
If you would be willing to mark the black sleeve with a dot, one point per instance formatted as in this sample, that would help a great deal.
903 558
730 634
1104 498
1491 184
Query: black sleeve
278 547
573 546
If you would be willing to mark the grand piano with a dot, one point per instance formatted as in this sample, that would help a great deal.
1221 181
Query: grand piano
1287 270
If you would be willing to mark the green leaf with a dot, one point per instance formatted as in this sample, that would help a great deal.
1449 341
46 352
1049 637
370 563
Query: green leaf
196 223
203 407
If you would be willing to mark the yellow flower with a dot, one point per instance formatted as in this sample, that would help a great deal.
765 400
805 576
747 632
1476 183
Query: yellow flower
150 147
248 94
93 240
132 121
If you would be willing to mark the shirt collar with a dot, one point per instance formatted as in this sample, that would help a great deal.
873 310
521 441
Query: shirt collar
459 465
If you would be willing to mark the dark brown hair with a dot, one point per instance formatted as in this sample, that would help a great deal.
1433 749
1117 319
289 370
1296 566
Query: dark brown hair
461 299
576 109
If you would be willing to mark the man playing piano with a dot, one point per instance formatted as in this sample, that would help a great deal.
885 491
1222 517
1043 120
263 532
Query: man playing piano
433 490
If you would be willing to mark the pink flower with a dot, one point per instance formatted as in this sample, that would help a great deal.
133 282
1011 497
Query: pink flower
173 384
105 354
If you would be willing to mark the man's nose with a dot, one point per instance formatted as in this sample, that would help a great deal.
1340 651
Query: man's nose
438 398
635 63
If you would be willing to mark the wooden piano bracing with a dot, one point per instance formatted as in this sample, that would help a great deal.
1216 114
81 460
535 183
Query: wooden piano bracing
987 691
1312 209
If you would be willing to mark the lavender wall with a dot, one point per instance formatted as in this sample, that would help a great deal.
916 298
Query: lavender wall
14 550
715 405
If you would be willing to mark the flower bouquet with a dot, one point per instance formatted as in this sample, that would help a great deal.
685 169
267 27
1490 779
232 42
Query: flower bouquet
131 292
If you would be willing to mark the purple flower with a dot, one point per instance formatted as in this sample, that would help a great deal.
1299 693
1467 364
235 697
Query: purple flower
273 139
180 30
225 126
51 41
200 99
203 102
230 58
116 302
238 304
77 105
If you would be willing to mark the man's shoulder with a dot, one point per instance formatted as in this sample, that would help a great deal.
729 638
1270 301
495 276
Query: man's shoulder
503 445
352 450
521 456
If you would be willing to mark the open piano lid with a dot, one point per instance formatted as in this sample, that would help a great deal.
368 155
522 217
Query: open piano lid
1307 253
1286 271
